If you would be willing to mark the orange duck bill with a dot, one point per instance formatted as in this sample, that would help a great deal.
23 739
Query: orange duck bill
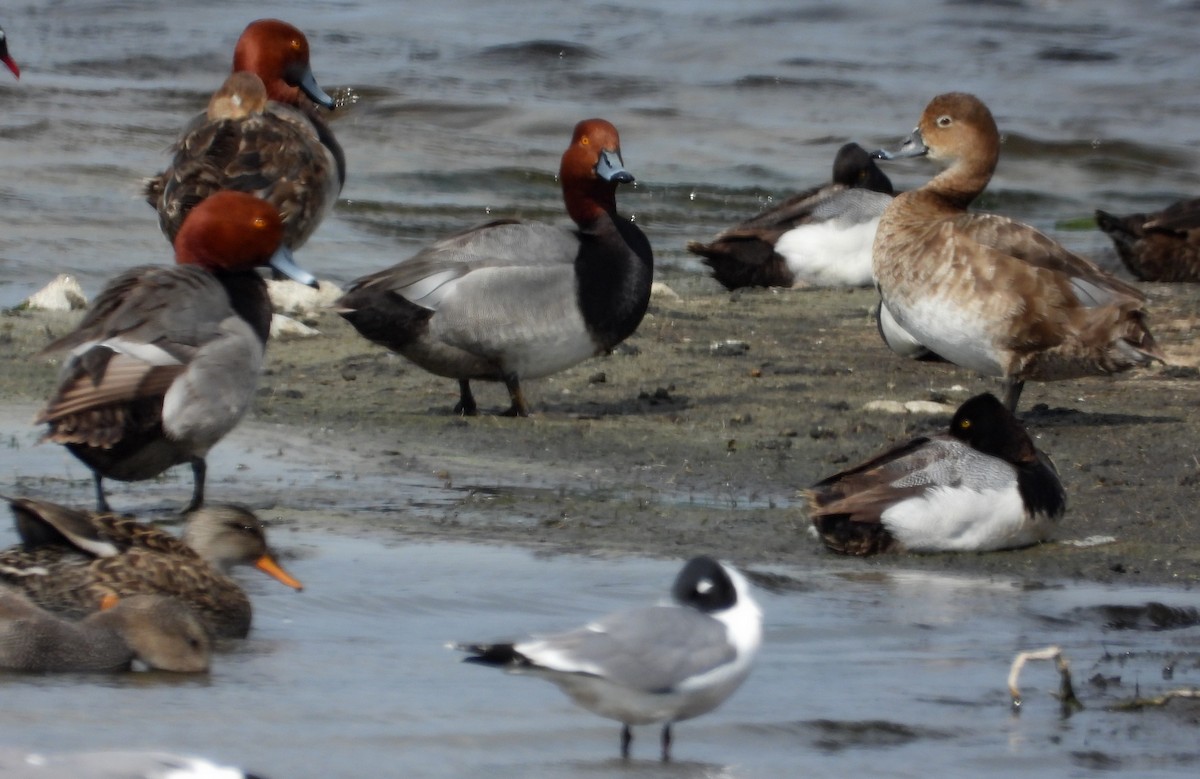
267 565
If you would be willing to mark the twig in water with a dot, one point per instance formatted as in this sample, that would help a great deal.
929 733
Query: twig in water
1066 692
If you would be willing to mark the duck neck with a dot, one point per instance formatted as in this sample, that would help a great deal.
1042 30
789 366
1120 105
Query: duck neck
248 296
614 270
961 183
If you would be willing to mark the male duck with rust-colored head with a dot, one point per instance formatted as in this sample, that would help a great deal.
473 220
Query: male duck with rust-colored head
167 359
261 135
510 300
986 292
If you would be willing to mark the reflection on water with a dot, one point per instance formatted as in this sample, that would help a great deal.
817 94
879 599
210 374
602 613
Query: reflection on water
899 674
724 108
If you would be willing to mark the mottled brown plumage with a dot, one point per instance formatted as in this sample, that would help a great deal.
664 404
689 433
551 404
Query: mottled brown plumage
69 560
1162 246
262 134
987 292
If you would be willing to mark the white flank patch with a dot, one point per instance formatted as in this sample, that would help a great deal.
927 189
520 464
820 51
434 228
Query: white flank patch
961 519
830 253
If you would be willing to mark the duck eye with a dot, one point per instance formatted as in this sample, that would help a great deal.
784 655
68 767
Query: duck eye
965 424
585 140
944 121
259 222
295 44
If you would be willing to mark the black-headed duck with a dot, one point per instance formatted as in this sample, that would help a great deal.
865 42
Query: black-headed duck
820 237
980 486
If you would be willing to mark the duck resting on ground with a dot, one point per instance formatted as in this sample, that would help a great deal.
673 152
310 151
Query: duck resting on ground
1162 246
511 300
986 292
821 237
980 486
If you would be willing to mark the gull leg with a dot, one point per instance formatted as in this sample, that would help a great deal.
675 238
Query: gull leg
626 739
666 743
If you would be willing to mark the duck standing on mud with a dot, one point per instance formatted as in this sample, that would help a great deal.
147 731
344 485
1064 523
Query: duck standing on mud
511 300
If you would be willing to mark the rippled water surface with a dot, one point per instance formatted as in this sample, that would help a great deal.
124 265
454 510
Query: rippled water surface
466 107
723 106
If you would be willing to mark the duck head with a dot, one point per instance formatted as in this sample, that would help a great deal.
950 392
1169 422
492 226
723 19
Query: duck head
591 169
958 130
986 425
278 53
6 59
242 95
227 535
236 231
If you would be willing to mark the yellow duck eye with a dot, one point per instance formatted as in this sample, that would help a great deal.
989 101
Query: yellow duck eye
965 424
259 222
585 140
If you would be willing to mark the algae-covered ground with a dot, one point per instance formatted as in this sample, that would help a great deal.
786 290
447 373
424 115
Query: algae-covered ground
697 435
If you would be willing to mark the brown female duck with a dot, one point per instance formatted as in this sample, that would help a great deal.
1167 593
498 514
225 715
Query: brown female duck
69 560
158 631
268 140
1162 246
989 293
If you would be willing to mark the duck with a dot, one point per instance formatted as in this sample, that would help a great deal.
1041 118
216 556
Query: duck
981 486
6 58
820 237
166 361
656 664
1161 246
262 133
159 632
986 292
70 560
512 300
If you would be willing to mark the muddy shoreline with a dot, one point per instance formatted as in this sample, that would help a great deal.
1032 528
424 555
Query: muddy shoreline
697 435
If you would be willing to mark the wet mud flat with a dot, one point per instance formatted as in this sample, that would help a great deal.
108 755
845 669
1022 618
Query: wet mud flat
696 435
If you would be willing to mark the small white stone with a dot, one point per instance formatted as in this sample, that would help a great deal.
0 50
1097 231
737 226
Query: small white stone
62 294
660 290
886 407
286 327
927 407
295 299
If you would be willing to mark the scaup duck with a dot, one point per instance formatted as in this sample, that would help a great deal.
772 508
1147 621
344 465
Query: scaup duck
281 150
160 632
657 664
986 292
1163 246
8 61
70 560
167 359
981 486
511 300
820 237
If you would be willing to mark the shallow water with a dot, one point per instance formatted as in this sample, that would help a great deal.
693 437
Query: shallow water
465 109
896 673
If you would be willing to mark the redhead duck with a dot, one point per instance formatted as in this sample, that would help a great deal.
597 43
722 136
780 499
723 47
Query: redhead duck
980 486
166 361
70 560
663 663
989 293
8 61
1163 246
160 632
510 300
281 150
820 237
